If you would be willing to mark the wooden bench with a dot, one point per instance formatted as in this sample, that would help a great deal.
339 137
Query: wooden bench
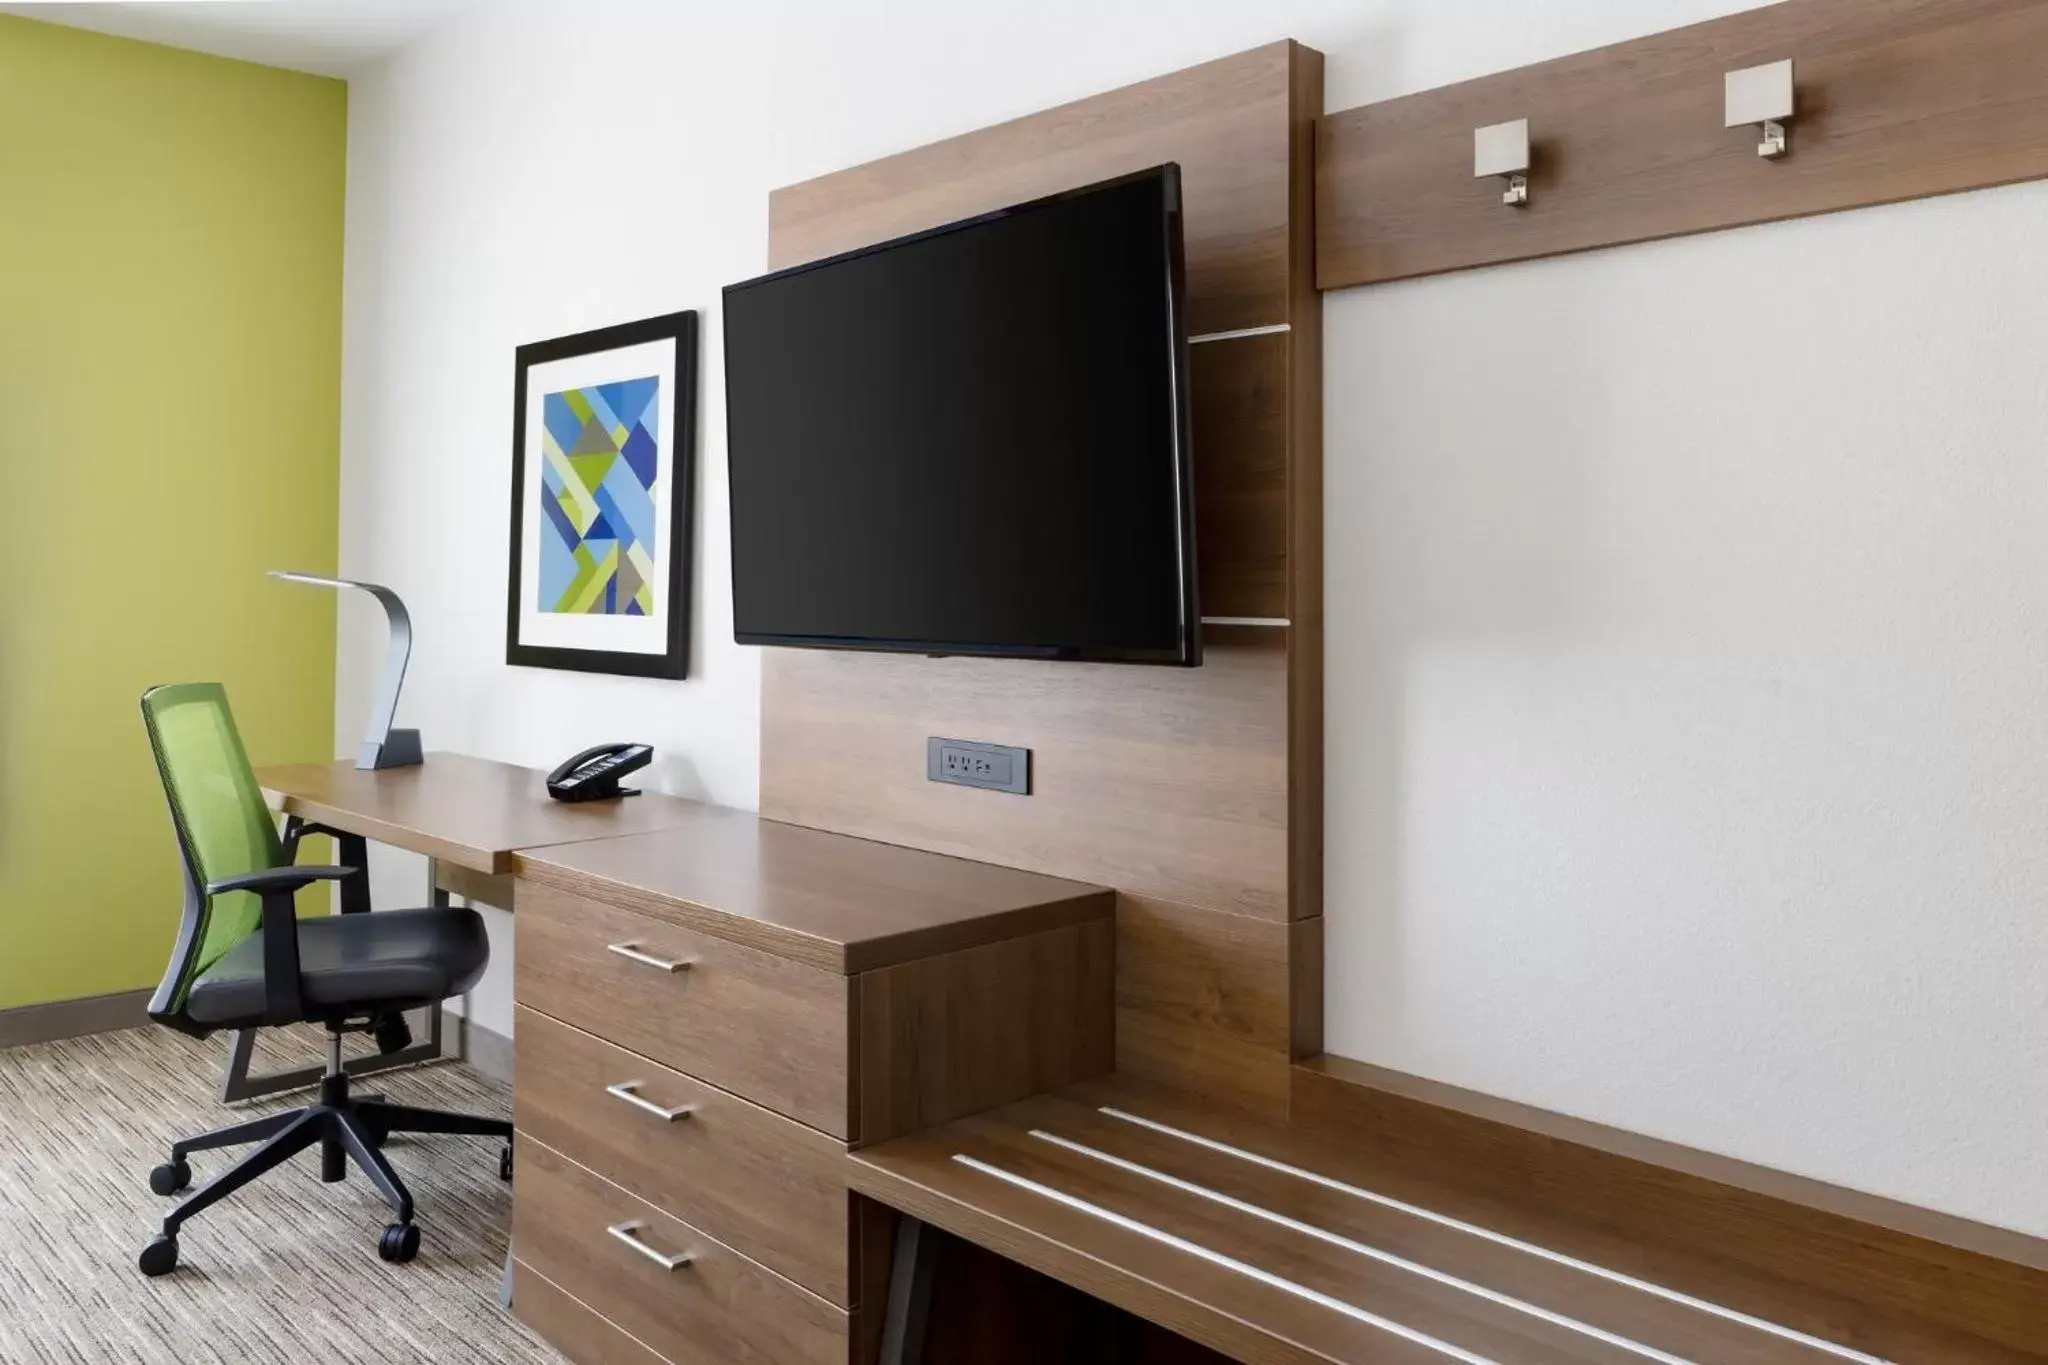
1373 1228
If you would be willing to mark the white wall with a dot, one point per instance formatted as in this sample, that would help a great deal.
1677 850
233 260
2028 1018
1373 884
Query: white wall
1685 771
541 170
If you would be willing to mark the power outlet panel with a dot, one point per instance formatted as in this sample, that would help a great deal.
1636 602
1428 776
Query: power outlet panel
969 763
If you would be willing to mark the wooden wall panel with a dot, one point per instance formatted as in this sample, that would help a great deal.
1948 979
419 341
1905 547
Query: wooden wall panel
971 1030
1239 402
1202 1000
1225 122
1164 781
1305 506
1896 99
1196 792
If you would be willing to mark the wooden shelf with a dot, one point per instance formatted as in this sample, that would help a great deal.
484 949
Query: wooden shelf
1325 1239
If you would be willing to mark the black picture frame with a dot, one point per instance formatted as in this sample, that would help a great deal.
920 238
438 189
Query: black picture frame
674 662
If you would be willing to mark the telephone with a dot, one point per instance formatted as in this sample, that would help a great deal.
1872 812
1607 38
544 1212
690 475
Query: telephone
594 774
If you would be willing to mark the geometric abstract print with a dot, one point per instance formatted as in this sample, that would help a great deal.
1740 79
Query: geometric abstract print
601 452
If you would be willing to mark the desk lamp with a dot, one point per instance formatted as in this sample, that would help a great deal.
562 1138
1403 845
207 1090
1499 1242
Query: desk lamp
383 747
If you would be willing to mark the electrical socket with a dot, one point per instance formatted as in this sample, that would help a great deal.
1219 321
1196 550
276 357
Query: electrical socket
969 763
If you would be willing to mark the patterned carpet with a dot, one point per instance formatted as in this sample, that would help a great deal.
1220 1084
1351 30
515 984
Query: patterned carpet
284 1271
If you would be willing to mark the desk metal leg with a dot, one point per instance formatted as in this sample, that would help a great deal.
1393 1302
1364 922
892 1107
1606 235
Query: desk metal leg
237 1084
910 1292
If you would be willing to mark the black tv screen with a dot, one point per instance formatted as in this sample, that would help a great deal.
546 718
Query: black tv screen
973 440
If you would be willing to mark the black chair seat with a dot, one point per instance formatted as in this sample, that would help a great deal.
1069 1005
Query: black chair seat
349 964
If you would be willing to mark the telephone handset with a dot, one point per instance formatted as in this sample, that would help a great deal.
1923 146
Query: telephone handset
594 774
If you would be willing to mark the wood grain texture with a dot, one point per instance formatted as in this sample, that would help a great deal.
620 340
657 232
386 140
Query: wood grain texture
1896 99
1239 398
572 1327
1919 1299
1223 121
478 888
1161 781
874 1256
836 903
1203 1000
717 1309
1305 989
951 1035
1213 1305
765 1185
1197 787
472 812
760 1026
1304 503
1999 1244
1156 1178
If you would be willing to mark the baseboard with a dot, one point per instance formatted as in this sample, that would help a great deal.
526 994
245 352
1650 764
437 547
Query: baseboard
1983 1239
59 1019
488 1050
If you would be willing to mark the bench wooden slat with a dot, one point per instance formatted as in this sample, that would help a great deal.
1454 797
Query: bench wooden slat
1207 1231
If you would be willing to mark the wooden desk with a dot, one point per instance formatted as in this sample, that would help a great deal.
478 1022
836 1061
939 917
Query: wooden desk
469 816
712 1010
473 812
709 1016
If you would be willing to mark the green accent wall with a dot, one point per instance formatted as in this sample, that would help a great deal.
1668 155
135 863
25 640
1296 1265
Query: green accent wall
170 376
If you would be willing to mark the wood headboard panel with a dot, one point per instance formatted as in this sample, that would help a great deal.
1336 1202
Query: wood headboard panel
1197 793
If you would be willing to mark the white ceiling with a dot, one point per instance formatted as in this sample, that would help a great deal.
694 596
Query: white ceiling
331 37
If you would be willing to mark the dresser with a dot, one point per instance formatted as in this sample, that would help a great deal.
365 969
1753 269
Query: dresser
709 1017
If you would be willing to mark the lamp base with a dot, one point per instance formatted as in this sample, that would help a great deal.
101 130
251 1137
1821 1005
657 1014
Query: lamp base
400 749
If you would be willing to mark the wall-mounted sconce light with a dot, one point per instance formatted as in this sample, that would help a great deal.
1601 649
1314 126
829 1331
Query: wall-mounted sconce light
383 747
1762 95
1502 149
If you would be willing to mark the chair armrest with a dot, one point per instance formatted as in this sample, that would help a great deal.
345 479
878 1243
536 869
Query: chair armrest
286 879
282 1001
351 848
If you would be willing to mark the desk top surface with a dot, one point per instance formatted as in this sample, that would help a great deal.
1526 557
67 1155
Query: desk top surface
828 900
474 812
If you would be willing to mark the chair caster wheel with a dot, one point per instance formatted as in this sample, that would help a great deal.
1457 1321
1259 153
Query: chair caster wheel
159 1257
169 1178
399 1244
505 1164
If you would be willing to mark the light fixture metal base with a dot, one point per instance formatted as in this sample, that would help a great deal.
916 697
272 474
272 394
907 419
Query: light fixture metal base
400 749
1776 141
1515 194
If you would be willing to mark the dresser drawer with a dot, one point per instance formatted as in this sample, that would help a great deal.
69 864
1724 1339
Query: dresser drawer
763 1184
713 1307
571 1327
747 1021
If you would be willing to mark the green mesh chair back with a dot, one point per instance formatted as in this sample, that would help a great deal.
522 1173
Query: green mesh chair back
224 827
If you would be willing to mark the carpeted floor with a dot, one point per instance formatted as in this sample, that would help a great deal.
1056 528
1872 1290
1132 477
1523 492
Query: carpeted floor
284 1271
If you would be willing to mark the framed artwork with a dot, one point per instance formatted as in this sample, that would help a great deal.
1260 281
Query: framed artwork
604 428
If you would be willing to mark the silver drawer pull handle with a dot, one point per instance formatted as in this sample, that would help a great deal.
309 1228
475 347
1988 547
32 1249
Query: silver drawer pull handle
628 1231
632 950
626 1090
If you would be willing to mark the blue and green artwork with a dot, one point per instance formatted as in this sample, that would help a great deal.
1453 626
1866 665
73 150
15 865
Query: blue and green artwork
601 451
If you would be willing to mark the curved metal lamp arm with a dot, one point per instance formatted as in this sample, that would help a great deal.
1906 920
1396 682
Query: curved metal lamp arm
383 746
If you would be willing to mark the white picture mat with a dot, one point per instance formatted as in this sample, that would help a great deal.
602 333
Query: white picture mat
616 634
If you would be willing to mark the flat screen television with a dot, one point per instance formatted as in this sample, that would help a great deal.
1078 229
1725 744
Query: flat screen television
973 440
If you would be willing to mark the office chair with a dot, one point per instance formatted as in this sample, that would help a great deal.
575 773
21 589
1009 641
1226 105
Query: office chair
244 958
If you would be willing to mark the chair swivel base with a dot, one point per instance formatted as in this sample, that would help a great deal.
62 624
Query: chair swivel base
345 1129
